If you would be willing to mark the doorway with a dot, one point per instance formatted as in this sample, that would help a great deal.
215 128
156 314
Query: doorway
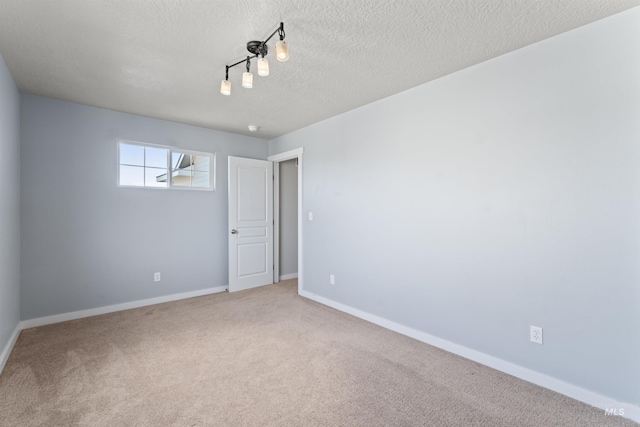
287 167
288 221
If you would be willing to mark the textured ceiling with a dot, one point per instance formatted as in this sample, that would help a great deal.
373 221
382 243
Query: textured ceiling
166 58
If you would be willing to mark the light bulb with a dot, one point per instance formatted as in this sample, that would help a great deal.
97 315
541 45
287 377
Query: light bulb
247 80
225 87
263 67
282 51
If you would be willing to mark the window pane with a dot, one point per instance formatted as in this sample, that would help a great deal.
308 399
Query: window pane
155 157
200 179
131 155
181 160
176 159
201 163
182 167
181 178
155 177
132 175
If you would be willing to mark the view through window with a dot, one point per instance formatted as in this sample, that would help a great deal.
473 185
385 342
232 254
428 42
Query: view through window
146 165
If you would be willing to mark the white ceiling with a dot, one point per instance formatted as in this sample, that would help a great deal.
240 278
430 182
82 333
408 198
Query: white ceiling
166 58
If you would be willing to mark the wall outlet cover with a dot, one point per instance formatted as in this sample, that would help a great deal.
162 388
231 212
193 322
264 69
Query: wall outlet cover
536 334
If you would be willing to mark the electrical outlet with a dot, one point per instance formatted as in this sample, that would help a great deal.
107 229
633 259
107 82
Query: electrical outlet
536 334
156 277
332 279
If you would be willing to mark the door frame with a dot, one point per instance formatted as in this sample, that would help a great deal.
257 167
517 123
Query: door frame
276 159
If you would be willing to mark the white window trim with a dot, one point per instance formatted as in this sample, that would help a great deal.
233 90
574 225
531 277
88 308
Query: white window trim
170 150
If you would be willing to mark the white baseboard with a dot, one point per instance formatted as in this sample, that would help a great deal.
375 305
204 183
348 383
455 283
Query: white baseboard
7 348
289 276
625 410
57 318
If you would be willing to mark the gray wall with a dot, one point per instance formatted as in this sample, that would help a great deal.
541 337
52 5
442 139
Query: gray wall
502 196
288 217
87 243
9 206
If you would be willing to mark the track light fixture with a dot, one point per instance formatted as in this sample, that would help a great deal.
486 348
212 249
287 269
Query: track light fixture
247 78
259 50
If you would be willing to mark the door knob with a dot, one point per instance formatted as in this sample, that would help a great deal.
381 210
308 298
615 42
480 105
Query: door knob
234 231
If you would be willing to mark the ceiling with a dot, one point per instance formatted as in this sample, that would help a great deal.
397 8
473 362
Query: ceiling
166 58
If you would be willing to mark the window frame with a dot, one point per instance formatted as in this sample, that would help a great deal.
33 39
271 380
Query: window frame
170 151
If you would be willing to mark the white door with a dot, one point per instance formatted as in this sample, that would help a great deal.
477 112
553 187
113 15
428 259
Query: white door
250 223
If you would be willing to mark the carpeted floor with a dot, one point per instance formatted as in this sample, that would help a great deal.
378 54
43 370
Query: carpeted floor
259 357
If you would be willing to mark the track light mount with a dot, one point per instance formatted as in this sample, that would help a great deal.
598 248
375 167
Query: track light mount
258 48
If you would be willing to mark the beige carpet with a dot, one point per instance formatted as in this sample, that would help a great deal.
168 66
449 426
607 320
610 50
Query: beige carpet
259 357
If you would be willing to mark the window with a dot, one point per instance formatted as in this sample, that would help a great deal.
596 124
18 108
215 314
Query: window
154 166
